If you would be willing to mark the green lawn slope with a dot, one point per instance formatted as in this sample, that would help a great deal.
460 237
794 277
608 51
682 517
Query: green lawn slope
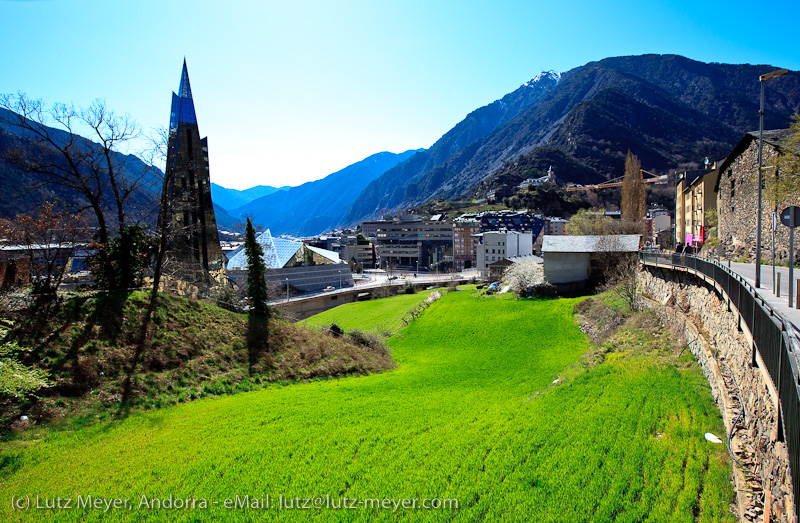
471 414
91 347
383 315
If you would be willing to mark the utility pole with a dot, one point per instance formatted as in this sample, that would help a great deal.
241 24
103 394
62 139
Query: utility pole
762 79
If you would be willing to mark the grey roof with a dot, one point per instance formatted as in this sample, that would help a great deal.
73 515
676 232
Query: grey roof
531 257
611 242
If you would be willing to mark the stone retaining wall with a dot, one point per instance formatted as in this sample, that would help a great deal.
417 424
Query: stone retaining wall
763 482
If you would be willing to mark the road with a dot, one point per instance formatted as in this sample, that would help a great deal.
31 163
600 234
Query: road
380 279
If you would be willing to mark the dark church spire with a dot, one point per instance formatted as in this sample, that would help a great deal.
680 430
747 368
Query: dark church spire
194 243
183 105
186 88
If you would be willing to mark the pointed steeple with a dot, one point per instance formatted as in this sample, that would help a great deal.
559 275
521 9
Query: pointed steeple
186 88
183 105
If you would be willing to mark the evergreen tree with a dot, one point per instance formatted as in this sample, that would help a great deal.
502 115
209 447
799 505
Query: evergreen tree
633 205
256 273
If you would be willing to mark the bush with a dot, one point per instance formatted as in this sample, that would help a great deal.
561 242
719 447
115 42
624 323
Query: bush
543 289
408 288
225 296
371 340
383 292
335 330
523 275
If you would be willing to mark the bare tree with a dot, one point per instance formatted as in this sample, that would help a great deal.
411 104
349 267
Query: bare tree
95 174
618 270
48 239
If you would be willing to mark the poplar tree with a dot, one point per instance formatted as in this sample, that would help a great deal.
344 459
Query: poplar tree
256 273
633 203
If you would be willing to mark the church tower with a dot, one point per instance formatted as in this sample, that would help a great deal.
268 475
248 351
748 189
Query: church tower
193 229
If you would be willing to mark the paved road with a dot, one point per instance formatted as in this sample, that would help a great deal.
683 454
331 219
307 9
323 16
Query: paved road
380 281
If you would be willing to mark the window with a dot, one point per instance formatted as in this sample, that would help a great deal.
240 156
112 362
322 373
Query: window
733 188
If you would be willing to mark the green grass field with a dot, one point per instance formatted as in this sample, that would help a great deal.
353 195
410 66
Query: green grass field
470 414
385 314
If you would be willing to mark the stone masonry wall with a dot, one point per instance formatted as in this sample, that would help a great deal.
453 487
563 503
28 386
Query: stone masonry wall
737 201
709 325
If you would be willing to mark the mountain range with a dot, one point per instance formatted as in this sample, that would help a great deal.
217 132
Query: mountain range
671 111
321 205
233 198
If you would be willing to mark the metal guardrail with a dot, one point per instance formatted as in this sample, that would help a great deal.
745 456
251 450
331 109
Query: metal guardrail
772 338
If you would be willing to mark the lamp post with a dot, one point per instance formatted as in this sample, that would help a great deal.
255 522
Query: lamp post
762 79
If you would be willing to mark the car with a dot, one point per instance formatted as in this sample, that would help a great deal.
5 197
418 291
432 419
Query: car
494 286
329 288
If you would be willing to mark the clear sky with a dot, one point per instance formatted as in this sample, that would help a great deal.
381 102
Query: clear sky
291 91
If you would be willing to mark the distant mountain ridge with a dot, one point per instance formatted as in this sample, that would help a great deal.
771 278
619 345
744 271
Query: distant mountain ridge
669 110
233 198
319 206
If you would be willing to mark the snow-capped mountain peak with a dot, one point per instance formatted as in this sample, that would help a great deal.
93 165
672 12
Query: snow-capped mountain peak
544 75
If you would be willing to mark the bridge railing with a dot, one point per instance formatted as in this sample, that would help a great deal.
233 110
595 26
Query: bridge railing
772 339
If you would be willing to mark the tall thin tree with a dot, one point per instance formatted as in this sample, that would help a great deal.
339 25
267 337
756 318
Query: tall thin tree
633 203
256 273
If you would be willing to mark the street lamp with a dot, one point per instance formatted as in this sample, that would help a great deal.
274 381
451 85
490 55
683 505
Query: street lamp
762 79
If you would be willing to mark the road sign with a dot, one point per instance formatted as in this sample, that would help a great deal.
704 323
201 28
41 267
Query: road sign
774 221
788 213
790 217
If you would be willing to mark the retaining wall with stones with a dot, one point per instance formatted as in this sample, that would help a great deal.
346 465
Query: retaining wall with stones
713 332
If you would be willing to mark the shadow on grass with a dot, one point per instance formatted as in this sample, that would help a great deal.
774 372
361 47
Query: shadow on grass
142 342
257 338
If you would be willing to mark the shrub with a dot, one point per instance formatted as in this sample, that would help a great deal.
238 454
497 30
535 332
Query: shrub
542 289
383 292
335 330
227 297
523 275
408 288
370 340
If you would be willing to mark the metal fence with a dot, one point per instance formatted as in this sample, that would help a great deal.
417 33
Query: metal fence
771 338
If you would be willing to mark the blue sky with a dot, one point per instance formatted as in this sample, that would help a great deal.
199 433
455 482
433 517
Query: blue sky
289 92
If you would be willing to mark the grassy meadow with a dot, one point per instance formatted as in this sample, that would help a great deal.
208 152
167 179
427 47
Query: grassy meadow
384 315
471 413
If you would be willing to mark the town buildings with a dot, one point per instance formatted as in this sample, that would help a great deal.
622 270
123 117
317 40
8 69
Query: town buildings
500 245
292 266
465 243
468 242
694 197
413 242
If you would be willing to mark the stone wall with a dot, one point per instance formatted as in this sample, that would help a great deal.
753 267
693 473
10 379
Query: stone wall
716 340
737 201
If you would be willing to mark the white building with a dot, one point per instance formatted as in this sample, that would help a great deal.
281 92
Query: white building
499 245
